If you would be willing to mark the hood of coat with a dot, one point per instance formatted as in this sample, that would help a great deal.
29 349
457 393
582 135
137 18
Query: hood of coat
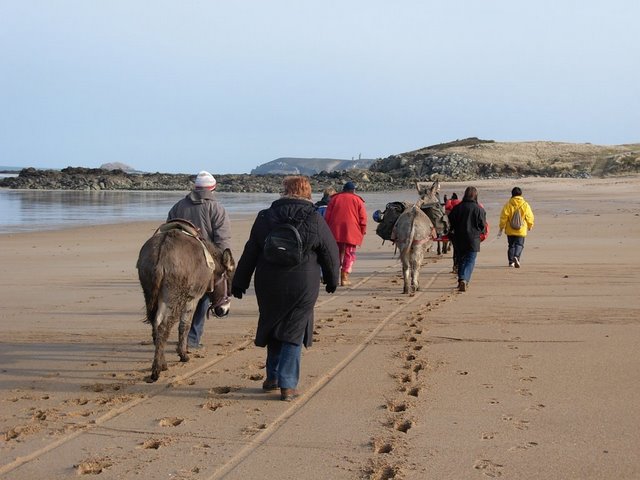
517 202
291 209
200 195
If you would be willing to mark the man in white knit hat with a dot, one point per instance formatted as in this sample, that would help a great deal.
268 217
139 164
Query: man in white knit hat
202 209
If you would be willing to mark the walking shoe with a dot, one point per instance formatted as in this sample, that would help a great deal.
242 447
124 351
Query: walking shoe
462 285
516 262
269 385
288 394
511 264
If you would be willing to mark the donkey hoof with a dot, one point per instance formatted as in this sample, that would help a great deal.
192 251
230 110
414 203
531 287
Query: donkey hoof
153 377
184 358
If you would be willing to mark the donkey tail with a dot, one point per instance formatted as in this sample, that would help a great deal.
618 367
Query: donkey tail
152 285
412 234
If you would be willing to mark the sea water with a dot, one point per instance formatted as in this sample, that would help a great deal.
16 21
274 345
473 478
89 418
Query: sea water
35 210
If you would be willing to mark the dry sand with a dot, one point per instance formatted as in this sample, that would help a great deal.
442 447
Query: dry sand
531 374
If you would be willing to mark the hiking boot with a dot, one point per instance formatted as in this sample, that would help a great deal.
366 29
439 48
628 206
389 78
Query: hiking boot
288 394
268 385
516 262
462 285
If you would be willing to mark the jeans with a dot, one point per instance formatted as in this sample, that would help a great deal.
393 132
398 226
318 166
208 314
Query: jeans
467 261
197 323
516 245
283 363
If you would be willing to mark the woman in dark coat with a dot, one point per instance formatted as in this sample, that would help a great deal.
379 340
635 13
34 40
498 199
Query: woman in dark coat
287 294
468 221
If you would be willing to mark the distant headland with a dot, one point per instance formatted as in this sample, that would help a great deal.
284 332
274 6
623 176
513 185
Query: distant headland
460 160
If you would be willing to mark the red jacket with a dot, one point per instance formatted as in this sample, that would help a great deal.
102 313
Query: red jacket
450 204
347 218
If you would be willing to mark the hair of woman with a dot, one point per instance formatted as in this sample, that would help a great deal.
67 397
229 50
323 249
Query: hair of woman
297 187
471 193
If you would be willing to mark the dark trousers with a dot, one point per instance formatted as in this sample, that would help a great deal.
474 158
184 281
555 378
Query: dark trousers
516 245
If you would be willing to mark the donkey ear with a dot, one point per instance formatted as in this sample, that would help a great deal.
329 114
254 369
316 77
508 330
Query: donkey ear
422 187
228 261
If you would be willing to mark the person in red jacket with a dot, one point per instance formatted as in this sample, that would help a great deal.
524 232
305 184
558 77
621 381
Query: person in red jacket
347 219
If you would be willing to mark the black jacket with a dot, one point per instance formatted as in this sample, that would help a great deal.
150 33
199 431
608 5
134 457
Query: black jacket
287 295
468 220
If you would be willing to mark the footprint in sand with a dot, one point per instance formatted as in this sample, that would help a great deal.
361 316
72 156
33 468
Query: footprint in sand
521 424
381 446
253 429
213 406
93 466
381 472
170 421
396 407
223 390
524 446
403 425
414 391
489 468
488 435
155 444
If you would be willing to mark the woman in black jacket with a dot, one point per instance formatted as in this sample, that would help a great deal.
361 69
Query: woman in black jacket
287 294
468 220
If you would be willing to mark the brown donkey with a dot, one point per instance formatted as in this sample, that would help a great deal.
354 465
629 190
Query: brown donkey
176 268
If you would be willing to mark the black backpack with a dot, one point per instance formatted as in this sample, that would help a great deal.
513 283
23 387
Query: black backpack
388 219
283 245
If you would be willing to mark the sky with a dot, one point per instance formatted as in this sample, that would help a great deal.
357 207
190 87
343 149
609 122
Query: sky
185 85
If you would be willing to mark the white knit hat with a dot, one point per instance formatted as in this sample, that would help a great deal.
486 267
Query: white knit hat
205 180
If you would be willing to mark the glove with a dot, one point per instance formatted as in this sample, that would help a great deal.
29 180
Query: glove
330 288
237 291
499 233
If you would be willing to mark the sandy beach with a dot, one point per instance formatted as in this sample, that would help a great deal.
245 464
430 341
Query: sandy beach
531 374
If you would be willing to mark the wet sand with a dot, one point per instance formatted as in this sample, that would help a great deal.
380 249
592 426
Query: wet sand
531 374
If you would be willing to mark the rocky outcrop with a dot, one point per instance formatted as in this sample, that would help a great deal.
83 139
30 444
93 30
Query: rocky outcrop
461 160
94 179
